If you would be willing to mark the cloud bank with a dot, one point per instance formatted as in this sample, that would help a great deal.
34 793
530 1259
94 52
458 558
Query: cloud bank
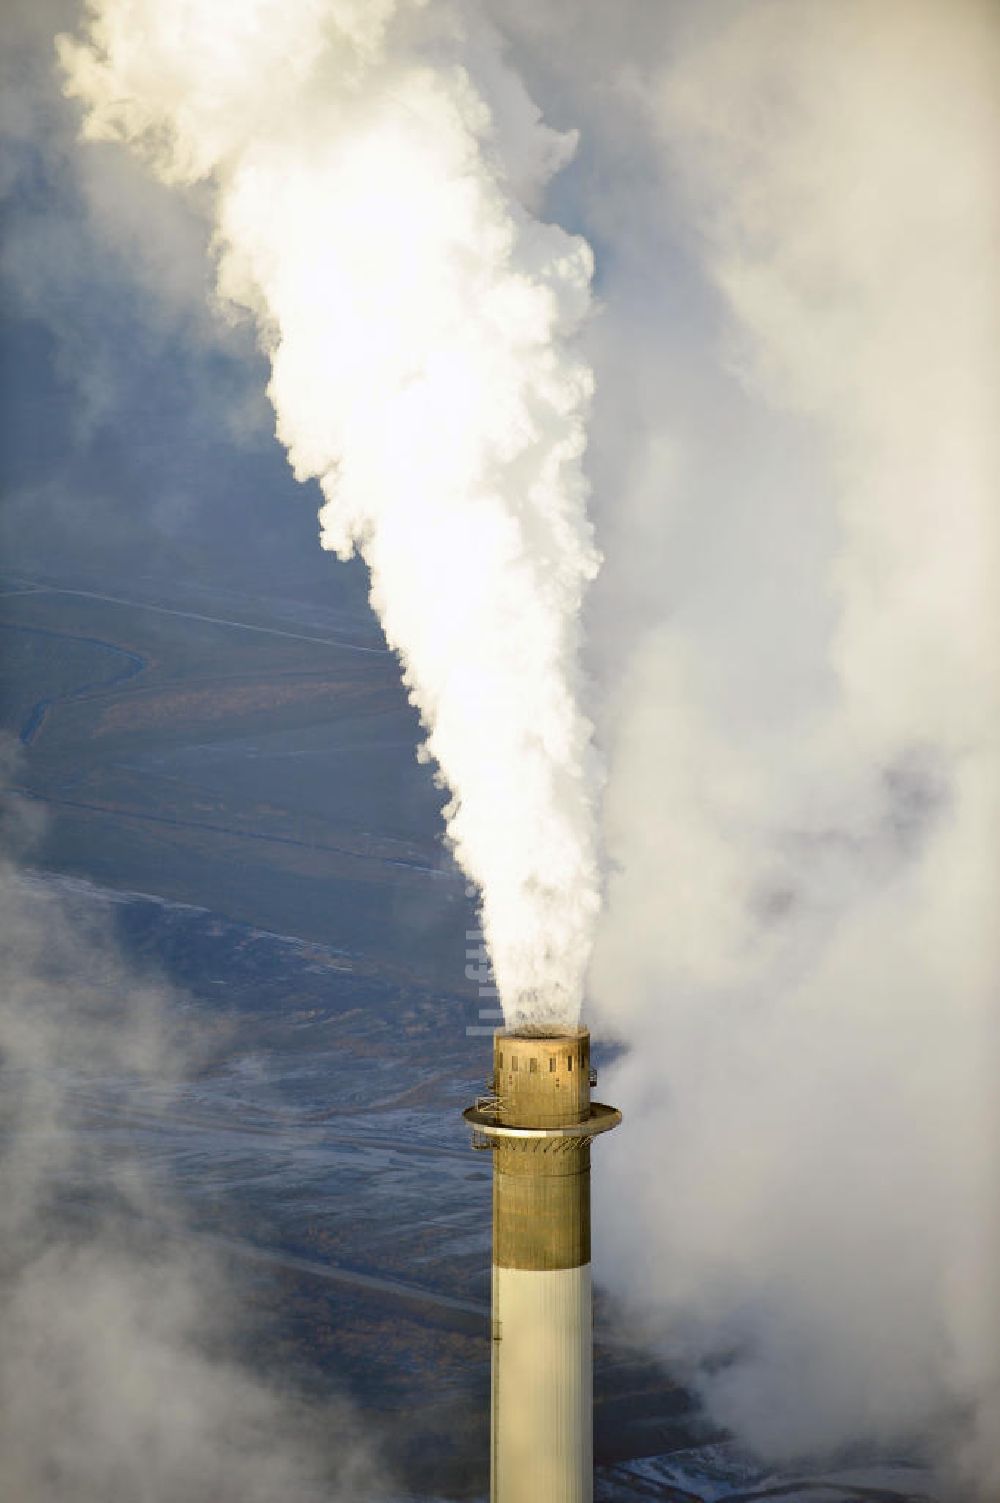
803 802
118 1374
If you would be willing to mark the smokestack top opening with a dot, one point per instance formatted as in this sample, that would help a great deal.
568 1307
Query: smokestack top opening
543 1031
542 1079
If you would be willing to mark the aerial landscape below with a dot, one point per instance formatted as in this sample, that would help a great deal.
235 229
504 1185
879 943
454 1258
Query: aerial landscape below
498 575
318 1145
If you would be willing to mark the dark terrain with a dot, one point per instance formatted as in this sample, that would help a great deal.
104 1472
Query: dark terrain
237 785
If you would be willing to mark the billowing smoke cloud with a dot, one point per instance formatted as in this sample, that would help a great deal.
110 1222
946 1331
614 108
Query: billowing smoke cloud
118 1379
792 626
803 810
374 168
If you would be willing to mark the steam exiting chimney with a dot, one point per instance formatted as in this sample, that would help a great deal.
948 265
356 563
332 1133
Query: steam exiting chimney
539 1121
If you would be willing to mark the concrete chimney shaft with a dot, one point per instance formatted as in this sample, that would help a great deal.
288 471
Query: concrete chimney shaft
539 1122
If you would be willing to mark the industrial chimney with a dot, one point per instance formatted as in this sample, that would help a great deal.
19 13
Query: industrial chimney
539 1121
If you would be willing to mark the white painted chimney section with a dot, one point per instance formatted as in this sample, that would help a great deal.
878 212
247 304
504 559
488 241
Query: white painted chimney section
539 1122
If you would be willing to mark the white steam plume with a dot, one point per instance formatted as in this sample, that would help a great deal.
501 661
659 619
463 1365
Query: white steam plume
800 944
373 168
